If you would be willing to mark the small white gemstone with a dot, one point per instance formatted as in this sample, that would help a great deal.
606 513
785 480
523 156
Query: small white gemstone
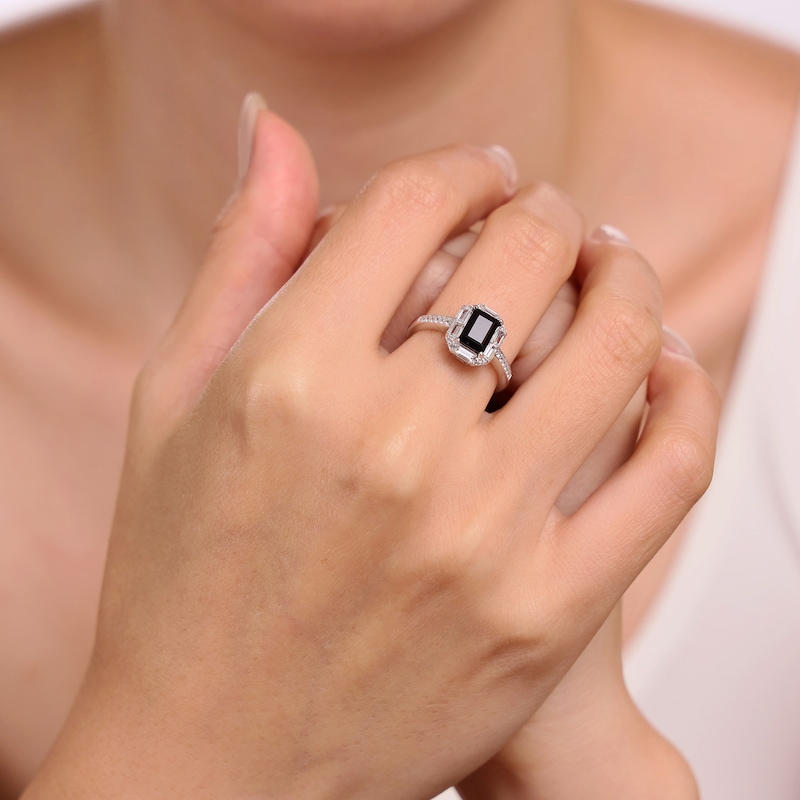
464 313
504 363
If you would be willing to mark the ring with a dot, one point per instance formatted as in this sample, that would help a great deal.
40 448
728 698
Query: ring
473 336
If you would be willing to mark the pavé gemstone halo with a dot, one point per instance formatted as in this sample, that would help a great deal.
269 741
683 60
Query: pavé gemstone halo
473 336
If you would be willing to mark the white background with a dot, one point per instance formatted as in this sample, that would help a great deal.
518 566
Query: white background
778 19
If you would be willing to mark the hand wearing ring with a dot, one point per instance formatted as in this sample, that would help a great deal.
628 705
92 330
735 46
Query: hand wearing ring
304 539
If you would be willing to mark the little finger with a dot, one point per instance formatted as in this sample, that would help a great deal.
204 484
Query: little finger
608 541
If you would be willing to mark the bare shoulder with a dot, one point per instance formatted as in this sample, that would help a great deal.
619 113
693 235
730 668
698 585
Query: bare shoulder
720 75
698 43
710 106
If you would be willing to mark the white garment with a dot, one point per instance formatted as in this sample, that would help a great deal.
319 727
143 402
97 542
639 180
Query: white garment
716 664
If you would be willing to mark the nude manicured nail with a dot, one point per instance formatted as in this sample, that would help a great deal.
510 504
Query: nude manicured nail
608 233
460 245
507 162
675 343
253 104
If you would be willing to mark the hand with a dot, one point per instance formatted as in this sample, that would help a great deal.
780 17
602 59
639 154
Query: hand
322 530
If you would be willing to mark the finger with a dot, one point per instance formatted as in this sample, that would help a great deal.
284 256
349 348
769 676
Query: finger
608 541
351 285
572 401
552 328
326 219
256 246
615 447
524 254
428 286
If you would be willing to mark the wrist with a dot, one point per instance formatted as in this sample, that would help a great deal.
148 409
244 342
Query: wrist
620 756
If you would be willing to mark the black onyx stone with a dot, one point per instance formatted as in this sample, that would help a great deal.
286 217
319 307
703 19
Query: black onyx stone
478 331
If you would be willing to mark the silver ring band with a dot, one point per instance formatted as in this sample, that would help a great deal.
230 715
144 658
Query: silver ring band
473 336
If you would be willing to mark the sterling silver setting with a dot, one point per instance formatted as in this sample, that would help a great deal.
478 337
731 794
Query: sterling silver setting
473 336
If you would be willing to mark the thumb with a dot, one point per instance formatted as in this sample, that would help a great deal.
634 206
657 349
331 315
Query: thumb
257 243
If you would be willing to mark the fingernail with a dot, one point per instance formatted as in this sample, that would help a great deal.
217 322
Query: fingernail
253 104
608 233
675 343
460 245
507 162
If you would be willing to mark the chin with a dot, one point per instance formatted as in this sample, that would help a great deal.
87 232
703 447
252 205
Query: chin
344 25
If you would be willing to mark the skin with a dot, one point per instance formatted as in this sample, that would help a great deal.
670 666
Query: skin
274 554
100 296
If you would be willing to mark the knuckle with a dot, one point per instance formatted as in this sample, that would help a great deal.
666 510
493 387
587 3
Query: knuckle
390 465
376 465
629 335
695 381
273 395
567 210
439 564
527 241
687 463
418 187
521 632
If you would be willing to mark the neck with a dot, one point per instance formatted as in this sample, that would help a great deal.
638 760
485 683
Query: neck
498 72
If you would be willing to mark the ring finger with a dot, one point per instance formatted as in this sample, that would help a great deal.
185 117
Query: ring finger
525 252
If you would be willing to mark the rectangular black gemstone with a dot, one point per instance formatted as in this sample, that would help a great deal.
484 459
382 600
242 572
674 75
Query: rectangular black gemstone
478 331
